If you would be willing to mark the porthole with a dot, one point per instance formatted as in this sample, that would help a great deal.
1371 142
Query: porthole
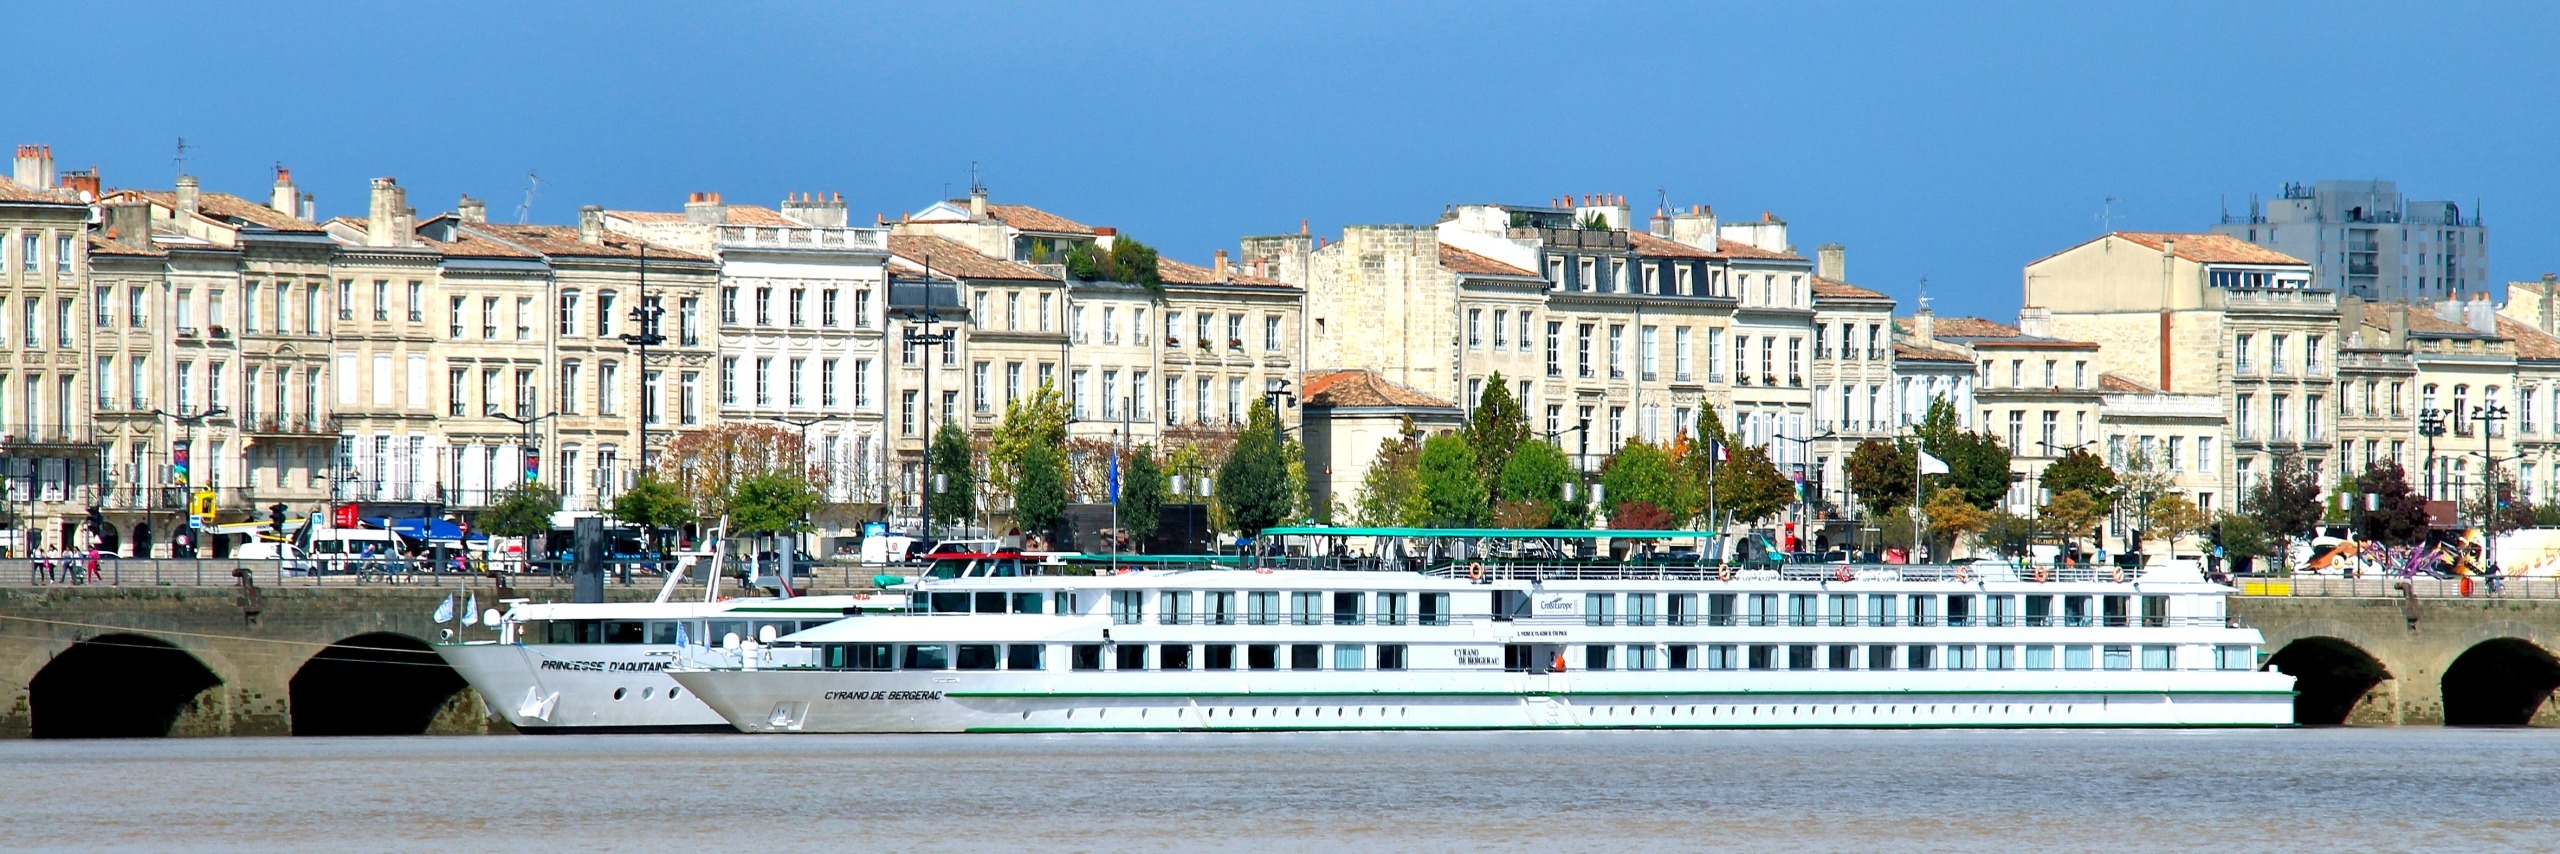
617 692
672 692
646 693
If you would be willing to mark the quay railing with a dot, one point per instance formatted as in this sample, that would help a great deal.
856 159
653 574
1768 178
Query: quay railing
73 571
2392 587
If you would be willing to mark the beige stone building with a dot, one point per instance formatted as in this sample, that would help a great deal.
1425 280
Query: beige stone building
1852 372
2036 392
1349 414
50 451
2176 436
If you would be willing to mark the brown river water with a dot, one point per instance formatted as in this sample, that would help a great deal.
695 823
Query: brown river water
2007 791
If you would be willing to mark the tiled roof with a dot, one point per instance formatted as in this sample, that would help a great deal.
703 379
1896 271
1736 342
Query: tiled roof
2531 343
562 241
1029 218
1826 288
1177 273
1739 249
1655 247
229 207
2421 321
2119 383
1467 263
738 215
102 246
2211 248
1972 327
11 191
1362 387
955 259
1916 353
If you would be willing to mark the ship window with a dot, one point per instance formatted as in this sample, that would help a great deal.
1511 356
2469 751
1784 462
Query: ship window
1720 656
575 631
2118 656
1027 603
2039 610
1801 656
1262 607
1306 656
2075 610
1515 657
1173 607
1510 604
2235 657
1880 657
2155 611
836 656
722 629
1844 609
1764 656
947 603
1391 656
1218 656
1960 657
1024 656
1599 609
1719 609
1920 657
2000 610
976 656
1641 656
1174 656
1306 608
1262 656
1684 610
779 628
1390 609
663 632
1924 609
2155 658
1844 656
925 656
1880 609
1350 656
2077 658
1085 656
1959 610
1764 609
1129 656
1640 610
1435 610
1595 657
1065 602
2000 657
2039 658
1801 610
2116 608
1221 607
1684 656
1125 605
1346 609
870 656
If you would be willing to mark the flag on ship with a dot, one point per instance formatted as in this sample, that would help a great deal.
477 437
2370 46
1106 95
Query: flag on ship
444 612
471 612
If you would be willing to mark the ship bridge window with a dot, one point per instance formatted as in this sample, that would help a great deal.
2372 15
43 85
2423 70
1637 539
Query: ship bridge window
721 630
1435 610
976 656
779 627
1390 609
1028 603
2039 610
1959 610
575 631
2155 611
863 656
664 631
1346 609
2075 610
947 603
924 656
2117 608
989 602
1719 609
1024 656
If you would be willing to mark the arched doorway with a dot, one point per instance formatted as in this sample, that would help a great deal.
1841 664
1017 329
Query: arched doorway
2499 682
115 686
2330 676
372 684
141 540
108 540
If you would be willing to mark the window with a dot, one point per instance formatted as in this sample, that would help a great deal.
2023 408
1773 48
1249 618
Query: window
794 382
568 312
978 383
797 308
1679 354
763 381
1475 324
764 306
1617 351
729 381
457 398
1555 344
608 388
729 306
1271 333
907 412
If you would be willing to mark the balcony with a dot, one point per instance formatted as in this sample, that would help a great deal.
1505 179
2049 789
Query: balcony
803 237
289 425
2292 299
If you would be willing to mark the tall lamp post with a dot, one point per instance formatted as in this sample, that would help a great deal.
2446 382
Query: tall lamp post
531 454
927 340
1804 504
2489 414
2431 423
646 314
181 457
804 424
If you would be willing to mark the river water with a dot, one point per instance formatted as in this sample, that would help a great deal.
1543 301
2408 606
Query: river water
2010 791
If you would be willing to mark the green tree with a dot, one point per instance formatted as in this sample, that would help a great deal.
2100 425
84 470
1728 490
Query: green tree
1593 221
2173 517
2243 537
1142 490
1750 487
2083 472
2401 517
1699 470
1451 489
955 467
770 503
1040 490
2007 533
2070 514
2511 511
652 504
522 512
2287 505
1951 517
1496 430
1537 474
1037 420
1639 473
1976 463
1881 473
1391 492
1254 487
1135 263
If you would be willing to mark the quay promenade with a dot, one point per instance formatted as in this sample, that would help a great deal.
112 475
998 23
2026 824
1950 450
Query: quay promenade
184 648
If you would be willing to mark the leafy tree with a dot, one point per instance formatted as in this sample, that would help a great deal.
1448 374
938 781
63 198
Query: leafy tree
1698 468
2172 517
2083 472
652 504
2401 518
2287 503
954 465
1451 488
1882 475
1524 514
1537 475
771 503
1142 489
522 512
1640 516
1036 420
1496 430
2511 511
2140 483
2070 514
1126 261
1639 473
707 465
2243 537
2006 532
1976 463
1040 489
1254 486
1750 487
1951 517
1594 221
1391 493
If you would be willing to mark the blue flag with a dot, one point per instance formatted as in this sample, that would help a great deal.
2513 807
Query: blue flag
1115 478
680 638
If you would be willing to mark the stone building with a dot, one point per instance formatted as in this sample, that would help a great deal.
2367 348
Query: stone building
1852 369
2036 392
492 356
50 449
2175 437
2365 240
1349 413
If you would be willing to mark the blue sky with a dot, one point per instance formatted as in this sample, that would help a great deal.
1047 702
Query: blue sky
1952 141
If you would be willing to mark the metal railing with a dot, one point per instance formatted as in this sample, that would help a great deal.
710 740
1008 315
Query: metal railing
2390 587
352 572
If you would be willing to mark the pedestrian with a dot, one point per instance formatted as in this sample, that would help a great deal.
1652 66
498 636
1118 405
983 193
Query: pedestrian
35 568
94 577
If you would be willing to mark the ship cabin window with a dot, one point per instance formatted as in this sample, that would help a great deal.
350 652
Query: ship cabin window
1350 656
1262 607
1220 606
1173 656
1024 656
1640 609
1844 609
1764 656
1764 609
1434 610
976 656
1346 608
2039 658
1065 603
573 631
1801 656
1130 656
2235 657
1723 656
1391 656
1218 656
1125 606
1880 656
1961 657
1306 608
2039 610
1880 609
946 603
2117 656
924 656
1684 656
1084 656
2077 657
989 601
665 632
2075 610
1920 657
1306 656
1595 657
1684 610
2116 610
2000 657
1510 604
1599 609
1959 610
861 656
1924 610
1173 607
1262 656
628 631
1028 603
721 630
1999 610
1844 656
2155 658
1390 609
1800 610
2155 611
1719 609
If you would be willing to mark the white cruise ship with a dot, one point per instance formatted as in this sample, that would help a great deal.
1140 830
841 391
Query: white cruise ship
1502 646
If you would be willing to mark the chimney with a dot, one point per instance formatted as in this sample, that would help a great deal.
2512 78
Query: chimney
85 183
1695 227
186 195
310 207
386 218
35 167
591 224
2035 322
1924 326
1831 261
129 223
825 210
473 210
2550 282
284 198
1219 265
1104 236
2481 316
977 201
705 209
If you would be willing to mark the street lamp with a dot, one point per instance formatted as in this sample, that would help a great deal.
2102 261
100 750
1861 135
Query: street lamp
2431 422
927 340
529 463
2489 414
181 457
804 424
1804 507
646 314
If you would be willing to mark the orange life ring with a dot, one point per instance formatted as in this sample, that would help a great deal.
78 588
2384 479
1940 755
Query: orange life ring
1475 572
1259 570
2116 575
1843 574
1963 575
2043 575
1724 573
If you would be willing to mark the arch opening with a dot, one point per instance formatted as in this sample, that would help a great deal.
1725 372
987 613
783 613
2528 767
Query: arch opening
116 686
2330 676
2499 682
372 684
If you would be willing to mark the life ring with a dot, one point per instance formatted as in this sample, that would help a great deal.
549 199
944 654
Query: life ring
1724 573
2043 575
1475 572
1843 574
2116 575
861 596
1259 570
1963 575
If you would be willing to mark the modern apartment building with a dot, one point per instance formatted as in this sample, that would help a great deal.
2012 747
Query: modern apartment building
2363 239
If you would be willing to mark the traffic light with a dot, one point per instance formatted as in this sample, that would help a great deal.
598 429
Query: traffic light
532 467
275 517
178 456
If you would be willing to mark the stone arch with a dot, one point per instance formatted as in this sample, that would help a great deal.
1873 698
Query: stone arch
141 540
2332 677
377 683
2500 681
118 685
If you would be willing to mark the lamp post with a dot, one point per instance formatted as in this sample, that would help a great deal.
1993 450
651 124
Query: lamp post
804 424
927 340
2489 414
1582 457
2431 423
646 314
529 461
1804 504
182 457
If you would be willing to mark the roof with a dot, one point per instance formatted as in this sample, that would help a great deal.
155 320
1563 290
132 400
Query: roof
102 246
11 191
1029 218
1830 289
1903 352
1971 327
2120 383
1363 387
1465 263
226 206
738 215
563 241
2423 322
1739 249
2531 343
953 258
2211 248
1656 247
1177 273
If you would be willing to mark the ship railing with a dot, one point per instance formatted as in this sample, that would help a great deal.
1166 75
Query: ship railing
1713 620
1640 571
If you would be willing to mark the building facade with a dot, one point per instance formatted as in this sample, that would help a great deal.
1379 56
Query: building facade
2365 240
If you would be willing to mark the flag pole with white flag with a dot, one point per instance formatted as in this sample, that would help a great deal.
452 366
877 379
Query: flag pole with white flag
471 612
1929 465
444 612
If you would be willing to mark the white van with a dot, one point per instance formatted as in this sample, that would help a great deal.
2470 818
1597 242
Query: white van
340 550
287 557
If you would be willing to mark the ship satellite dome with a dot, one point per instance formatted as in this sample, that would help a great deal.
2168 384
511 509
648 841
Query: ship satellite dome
765 634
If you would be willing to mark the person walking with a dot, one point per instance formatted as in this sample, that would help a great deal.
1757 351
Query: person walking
94 577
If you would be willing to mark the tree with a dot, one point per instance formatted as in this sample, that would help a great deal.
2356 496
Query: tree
522 512
1750 487
2242 537
1254 485
1882 474
1976 463
1537 476
1496 430
2007 533
953 465
652 504
2401 515
2142 483
771 503
1126 261
1142 491
1639 473
2173 516
1391 493
2069 514
1640 516
1452 492
2082 472
1952 517
1037 420
2287 502
1040 490
1699 470
707 465
2511 512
